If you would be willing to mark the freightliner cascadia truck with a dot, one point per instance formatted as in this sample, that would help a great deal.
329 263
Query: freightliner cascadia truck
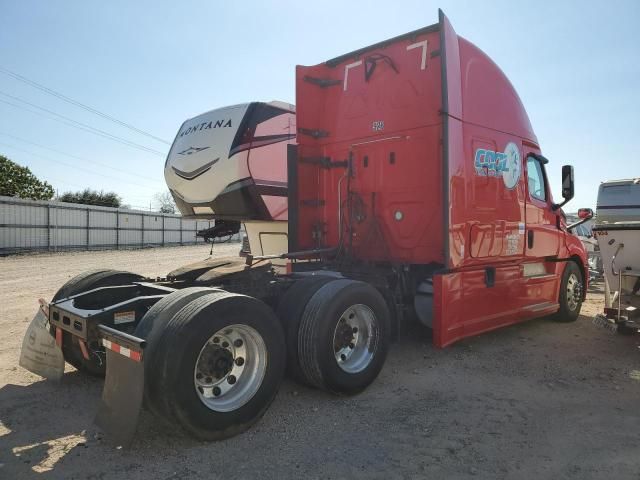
416 190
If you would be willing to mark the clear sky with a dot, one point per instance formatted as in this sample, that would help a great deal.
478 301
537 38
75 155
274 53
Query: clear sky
152 64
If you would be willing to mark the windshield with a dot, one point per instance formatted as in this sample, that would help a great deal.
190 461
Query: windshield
583 231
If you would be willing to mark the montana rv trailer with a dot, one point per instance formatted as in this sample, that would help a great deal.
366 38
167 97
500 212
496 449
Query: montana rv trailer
231 164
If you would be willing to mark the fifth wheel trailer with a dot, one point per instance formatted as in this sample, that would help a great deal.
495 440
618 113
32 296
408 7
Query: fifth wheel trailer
416 190
231 164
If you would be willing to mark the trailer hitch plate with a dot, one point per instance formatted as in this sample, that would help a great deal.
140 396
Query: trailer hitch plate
123 389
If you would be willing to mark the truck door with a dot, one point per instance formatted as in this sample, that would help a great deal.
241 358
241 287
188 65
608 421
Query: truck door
542 237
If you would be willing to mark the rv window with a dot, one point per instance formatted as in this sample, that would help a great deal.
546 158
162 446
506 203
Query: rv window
615 195
617 190
535 178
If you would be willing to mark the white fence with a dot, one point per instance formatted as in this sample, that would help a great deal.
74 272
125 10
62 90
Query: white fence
27 225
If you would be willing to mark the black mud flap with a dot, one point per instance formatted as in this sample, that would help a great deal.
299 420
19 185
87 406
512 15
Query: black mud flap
123 390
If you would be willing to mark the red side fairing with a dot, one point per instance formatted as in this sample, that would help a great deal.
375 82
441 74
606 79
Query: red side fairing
488 284
383 113
464 306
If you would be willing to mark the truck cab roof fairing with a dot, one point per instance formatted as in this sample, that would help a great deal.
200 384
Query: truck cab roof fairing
478 91
489 97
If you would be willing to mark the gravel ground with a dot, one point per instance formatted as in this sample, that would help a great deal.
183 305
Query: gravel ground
535 400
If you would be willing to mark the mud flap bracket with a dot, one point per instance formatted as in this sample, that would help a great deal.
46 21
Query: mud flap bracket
123 389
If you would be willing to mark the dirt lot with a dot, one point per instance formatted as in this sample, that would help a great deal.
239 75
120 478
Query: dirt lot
536 400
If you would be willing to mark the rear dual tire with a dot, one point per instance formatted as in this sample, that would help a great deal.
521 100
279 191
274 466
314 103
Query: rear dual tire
151 328
290 312
216 365
338 333
344 337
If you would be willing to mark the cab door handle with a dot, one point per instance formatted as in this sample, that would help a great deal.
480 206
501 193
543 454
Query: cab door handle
530 238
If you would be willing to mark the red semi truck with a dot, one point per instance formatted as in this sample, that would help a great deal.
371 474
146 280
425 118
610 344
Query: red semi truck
417 190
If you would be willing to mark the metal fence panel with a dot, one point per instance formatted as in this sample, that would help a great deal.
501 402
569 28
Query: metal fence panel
68 218
131 237
16 214
171 223
171 237
103 219
189 226
129 220
23 238
153 222
70 237
103 238
27 225
152 237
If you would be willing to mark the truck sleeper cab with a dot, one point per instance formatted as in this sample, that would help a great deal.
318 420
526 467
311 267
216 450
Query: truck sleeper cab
430 162
416 189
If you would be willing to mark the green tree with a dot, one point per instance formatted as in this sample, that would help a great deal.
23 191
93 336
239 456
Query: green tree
18 181
92 197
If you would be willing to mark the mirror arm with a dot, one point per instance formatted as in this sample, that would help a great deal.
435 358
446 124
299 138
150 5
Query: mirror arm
557 206
579 222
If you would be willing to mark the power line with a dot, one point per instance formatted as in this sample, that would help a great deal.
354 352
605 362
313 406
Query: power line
75 156
79 125
79 104
77 167
54 180
64 182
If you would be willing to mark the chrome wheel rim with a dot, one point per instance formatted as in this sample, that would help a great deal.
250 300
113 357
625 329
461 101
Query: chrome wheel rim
230 368
355 338
574 292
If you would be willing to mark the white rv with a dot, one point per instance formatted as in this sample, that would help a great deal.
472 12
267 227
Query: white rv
617 229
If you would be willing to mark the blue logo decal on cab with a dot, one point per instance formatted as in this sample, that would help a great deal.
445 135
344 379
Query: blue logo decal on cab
500 164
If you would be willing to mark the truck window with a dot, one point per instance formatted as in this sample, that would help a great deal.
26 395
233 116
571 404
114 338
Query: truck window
582 231
535 178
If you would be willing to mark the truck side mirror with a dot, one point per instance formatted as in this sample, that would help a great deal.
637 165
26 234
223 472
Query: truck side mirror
585 213
567 183
567 186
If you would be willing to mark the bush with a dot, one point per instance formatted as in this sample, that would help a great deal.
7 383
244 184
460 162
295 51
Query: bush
92 197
